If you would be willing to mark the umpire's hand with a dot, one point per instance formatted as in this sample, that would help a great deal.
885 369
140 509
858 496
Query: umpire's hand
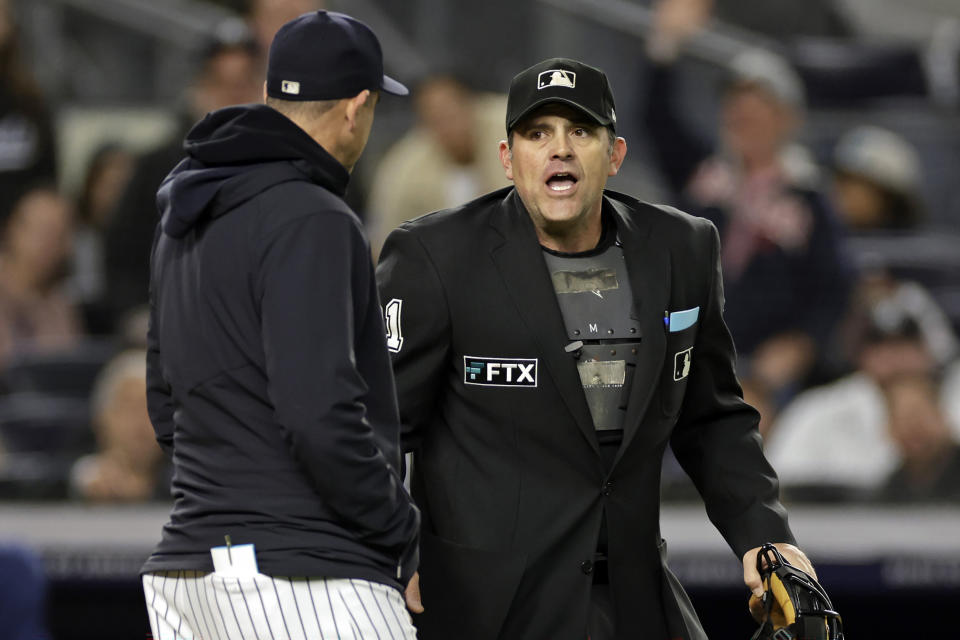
751 576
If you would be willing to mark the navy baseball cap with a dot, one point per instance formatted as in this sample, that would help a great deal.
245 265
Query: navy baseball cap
324 55
561 80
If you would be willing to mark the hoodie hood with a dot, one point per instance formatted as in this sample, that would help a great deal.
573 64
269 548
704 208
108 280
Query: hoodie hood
232 155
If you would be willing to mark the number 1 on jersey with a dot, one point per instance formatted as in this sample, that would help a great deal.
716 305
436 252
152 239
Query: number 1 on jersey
391 315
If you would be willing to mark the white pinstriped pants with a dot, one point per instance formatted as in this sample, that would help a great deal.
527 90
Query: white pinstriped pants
195 605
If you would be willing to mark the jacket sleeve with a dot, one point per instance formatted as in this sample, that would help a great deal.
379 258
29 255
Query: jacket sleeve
314 282
407 274
160 404
716 438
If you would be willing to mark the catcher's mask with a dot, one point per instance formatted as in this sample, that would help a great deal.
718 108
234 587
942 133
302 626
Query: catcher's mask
794 605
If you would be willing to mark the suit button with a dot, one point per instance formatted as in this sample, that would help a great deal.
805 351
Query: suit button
586 567
607 489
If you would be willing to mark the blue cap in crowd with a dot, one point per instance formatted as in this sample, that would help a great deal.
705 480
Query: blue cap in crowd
324 55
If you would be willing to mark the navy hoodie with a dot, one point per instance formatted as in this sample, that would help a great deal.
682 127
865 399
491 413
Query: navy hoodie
268 375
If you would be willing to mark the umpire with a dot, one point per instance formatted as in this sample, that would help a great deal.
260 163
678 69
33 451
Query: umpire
550 339
268 377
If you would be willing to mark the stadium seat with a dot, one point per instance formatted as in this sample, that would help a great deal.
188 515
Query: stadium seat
42 437
64 372
37 422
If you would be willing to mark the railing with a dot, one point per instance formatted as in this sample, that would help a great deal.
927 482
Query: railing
716 44
92 50
115 51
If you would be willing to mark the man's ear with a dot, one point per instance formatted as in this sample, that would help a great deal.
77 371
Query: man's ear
506 159
617 156
354 105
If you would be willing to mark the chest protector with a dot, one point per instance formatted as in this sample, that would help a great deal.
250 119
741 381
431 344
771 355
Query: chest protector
596 302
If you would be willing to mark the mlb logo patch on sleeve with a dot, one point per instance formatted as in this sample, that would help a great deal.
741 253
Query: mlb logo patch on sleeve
500 372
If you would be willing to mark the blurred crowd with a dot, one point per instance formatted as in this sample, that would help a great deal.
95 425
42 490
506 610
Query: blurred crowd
851 361
845 343
74 277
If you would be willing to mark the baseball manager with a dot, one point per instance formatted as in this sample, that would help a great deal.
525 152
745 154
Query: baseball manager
268 376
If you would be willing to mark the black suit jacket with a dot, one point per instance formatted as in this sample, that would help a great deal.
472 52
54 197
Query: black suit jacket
509 478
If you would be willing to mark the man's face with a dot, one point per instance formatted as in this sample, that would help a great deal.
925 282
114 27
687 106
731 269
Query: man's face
754 125
445 109
559 163
861 203
267 16
916 422
124 425
893 357
39 234
231 78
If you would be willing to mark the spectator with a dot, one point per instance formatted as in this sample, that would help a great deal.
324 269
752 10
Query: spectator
27 144
890 303
35 250
227 75
782 247
107 174
265 17
108 170
877 180
831 442
448 159
128 465
929 468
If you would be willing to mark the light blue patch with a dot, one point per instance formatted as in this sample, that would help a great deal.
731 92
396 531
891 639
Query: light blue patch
680 320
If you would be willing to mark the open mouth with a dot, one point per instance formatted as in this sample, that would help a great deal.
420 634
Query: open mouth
561 181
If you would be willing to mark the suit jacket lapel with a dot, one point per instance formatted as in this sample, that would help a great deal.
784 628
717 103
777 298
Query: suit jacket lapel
648 265
518 258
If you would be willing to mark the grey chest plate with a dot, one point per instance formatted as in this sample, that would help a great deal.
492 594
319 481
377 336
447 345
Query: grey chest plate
597 305
606 373
594 294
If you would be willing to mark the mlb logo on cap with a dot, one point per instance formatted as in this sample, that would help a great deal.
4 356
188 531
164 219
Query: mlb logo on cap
557 78
289 86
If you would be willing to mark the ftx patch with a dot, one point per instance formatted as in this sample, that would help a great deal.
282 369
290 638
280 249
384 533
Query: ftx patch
500 372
